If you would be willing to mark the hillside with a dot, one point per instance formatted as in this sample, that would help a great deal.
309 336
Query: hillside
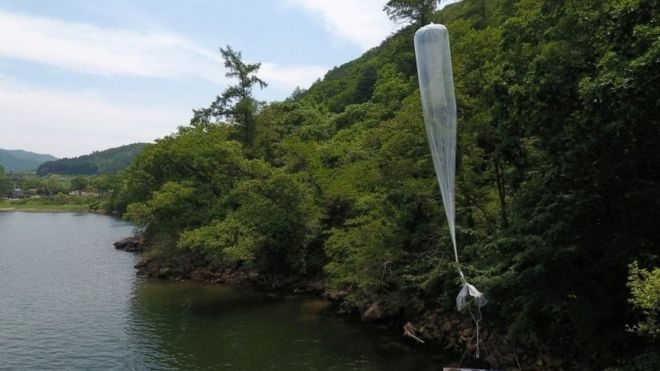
109 161
557 185
19 161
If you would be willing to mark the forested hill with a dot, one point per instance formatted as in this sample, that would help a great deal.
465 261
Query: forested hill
557 194
19 161
109 161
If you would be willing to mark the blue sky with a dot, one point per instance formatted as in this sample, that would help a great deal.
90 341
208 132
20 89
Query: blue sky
79 75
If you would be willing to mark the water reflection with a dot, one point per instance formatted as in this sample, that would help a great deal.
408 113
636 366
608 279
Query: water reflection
185 325
70 301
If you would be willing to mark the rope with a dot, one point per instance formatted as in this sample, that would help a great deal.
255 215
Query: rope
476 322
464 282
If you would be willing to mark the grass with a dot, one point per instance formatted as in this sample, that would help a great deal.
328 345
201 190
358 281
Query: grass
58 203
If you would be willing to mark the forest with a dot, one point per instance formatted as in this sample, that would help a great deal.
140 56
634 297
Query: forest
558 177
109 161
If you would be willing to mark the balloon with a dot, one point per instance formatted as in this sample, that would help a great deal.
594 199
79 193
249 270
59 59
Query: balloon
436 86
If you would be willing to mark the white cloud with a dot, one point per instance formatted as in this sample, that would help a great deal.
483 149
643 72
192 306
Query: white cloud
361 22
68 123
290 77
87 48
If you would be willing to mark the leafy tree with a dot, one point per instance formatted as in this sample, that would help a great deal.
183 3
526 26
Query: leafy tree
53 185
272 226
79 183
5 183
645 295
557 176
107 184
576 99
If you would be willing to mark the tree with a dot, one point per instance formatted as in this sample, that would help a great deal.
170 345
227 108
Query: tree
52 185
577 91
644 287
106 184
79 183
415 11
5 183
557 178
236 102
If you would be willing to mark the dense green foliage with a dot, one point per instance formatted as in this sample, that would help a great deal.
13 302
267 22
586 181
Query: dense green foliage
558 182
78 193
5 183
109 161
59 202
19 161
645 287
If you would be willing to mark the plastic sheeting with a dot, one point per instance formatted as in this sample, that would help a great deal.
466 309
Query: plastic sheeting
436 85
469 290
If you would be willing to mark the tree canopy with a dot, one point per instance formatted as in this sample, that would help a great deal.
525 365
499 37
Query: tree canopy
416 11
109 161
558 180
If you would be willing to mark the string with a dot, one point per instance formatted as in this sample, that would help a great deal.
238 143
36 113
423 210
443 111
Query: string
476 322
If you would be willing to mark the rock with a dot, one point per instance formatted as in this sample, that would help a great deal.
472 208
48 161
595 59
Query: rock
142 263
164 272
130 244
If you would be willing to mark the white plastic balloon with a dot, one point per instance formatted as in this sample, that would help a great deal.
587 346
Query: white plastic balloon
436 85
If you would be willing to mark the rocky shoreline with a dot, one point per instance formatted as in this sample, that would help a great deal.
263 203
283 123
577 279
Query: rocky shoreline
456 332
453 331
196 267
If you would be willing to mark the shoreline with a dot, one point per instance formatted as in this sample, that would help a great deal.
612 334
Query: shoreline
444 328
54 204
46 210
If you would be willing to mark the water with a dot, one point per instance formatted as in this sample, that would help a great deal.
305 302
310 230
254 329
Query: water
70 301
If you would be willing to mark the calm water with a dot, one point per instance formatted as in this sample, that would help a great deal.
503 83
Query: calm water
70 301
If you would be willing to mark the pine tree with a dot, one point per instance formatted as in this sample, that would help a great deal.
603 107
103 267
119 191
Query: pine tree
236 103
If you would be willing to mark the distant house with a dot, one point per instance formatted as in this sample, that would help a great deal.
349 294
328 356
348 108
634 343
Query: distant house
84 193
16 193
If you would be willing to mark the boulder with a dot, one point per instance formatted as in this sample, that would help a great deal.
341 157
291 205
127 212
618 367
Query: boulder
130 244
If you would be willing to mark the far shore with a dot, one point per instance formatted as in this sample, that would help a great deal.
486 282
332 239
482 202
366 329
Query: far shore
47 209
56 204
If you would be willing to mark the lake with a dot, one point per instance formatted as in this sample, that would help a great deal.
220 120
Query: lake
70 301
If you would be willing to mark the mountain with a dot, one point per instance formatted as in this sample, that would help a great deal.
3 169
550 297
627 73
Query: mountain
108 161
557 184
20 161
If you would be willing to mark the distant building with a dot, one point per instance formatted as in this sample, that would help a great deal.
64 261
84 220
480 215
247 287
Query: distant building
16 193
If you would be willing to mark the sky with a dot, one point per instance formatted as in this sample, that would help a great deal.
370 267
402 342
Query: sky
78 76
